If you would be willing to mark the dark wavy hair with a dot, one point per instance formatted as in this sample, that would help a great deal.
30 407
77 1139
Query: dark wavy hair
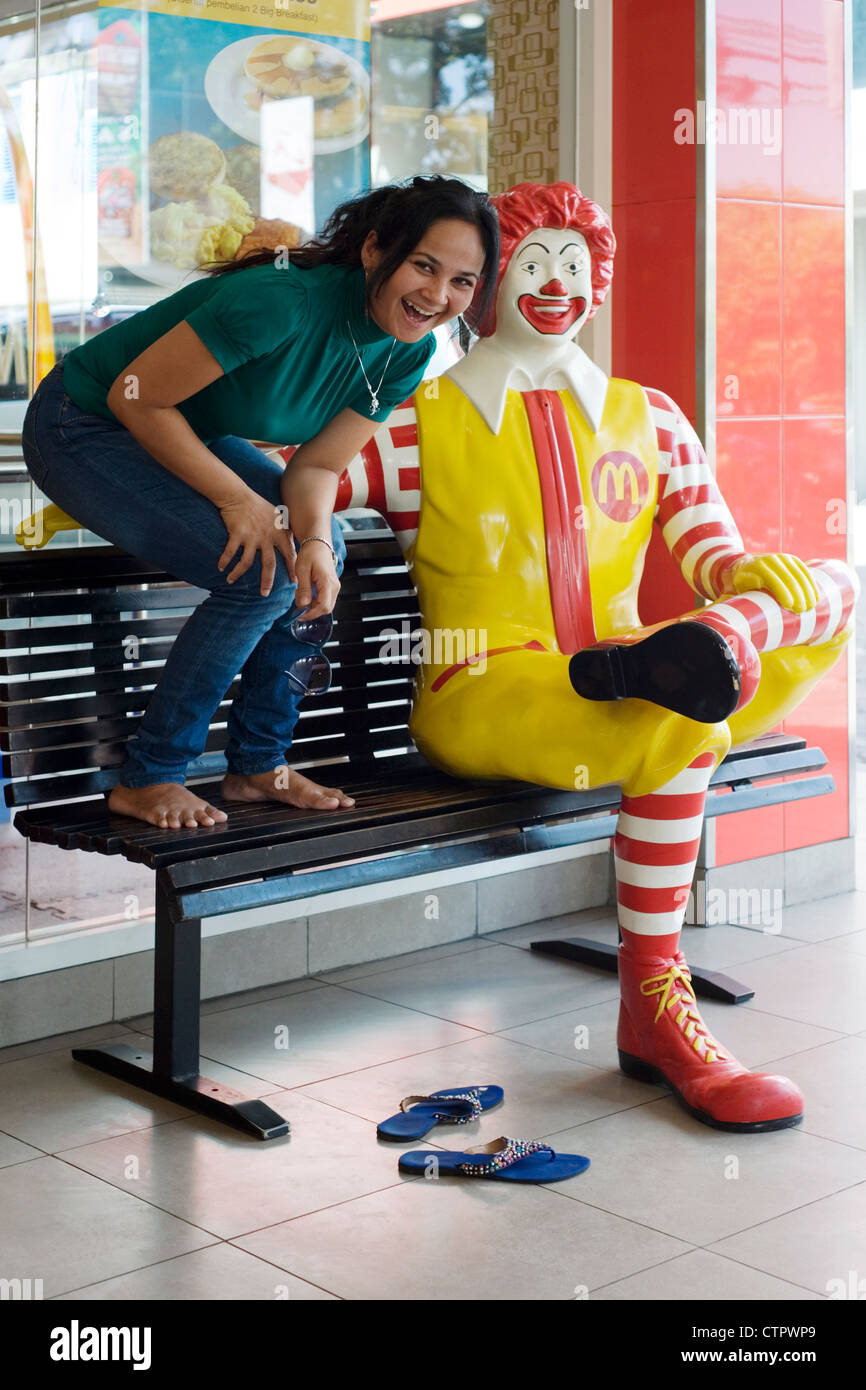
399 214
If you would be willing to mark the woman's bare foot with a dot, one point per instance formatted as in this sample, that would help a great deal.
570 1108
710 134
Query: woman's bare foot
166 804
284 784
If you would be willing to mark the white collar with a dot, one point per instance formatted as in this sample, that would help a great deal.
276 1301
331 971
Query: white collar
486 373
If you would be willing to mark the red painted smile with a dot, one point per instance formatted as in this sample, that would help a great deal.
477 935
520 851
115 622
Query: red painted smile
551 315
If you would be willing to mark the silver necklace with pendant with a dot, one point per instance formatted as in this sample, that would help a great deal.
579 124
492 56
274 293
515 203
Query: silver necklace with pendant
374 395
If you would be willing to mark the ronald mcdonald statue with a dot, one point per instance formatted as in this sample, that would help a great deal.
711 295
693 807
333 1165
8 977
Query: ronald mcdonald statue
523 486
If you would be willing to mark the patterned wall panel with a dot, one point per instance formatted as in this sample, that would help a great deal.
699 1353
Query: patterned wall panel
523 40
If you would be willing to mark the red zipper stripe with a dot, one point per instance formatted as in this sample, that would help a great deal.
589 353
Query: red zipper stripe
561 495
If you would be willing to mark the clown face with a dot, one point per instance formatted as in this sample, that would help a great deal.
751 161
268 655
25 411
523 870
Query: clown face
546 292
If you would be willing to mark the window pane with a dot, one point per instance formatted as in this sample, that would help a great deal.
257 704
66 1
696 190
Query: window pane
164 140
432 90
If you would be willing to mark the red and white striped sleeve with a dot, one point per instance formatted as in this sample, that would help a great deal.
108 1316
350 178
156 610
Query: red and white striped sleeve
386 475
697 526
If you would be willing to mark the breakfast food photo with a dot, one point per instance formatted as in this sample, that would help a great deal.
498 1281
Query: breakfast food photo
272 232
186 233
243 171
195 212
204 206
245 75
183 165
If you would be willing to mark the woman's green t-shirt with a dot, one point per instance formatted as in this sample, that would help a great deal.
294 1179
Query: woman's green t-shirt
281 335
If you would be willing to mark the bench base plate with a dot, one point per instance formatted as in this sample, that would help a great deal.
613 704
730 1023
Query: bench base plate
198 1093
709 984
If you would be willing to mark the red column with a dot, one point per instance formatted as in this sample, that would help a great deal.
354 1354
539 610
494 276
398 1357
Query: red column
654 212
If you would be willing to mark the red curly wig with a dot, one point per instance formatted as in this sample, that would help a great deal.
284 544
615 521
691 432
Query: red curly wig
528 206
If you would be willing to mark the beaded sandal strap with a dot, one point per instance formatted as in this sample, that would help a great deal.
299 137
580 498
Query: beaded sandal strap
474 1100
469 1097
505 1152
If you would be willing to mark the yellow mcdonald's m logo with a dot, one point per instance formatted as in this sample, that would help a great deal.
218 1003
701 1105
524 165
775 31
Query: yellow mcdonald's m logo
620 470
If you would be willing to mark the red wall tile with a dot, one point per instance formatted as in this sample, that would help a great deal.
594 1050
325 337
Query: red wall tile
749 77
813 311
750 834
813 488
813 527
822 719
812 95
748 292
749 474
792 508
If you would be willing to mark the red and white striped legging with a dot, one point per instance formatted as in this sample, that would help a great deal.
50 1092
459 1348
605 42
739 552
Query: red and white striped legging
658 836
655 849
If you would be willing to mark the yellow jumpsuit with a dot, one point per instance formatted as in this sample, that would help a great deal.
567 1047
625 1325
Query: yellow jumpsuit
489 578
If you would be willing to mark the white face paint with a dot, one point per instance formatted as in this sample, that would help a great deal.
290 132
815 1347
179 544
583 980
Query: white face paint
546 293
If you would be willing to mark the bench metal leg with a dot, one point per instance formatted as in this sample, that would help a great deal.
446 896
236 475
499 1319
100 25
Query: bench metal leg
709 984
172 1069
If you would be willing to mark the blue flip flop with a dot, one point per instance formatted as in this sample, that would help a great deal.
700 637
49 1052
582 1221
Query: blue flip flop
506 1160
455 1106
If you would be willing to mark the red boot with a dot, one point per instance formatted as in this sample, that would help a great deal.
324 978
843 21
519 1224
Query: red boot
661 1038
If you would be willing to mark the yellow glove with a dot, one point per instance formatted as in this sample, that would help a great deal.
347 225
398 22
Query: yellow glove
41 527
785 577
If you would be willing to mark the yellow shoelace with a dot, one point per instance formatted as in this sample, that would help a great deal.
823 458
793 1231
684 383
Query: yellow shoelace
688 1018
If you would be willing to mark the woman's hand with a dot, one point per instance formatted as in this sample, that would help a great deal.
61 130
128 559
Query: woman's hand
784 576
315 565
254 525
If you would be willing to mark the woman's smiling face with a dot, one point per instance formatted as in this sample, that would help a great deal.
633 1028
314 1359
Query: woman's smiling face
438 279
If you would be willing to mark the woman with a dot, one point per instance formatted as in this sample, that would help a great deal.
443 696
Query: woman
142 435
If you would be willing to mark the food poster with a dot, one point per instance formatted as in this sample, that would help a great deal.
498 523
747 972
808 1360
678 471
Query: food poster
217 135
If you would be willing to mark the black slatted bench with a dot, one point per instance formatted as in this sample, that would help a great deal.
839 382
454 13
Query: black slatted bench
73 684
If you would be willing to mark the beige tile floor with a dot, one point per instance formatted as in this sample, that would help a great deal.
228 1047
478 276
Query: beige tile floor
108 1194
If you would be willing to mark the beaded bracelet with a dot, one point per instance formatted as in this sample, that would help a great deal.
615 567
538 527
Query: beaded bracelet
324 542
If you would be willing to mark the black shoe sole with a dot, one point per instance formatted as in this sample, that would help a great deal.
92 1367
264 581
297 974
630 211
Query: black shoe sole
687 667
639 1070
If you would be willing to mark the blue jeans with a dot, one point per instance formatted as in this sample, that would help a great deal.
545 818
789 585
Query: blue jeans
97 471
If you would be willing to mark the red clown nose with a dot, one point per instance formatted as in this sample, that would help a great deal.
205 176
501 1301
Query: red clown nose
554 287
